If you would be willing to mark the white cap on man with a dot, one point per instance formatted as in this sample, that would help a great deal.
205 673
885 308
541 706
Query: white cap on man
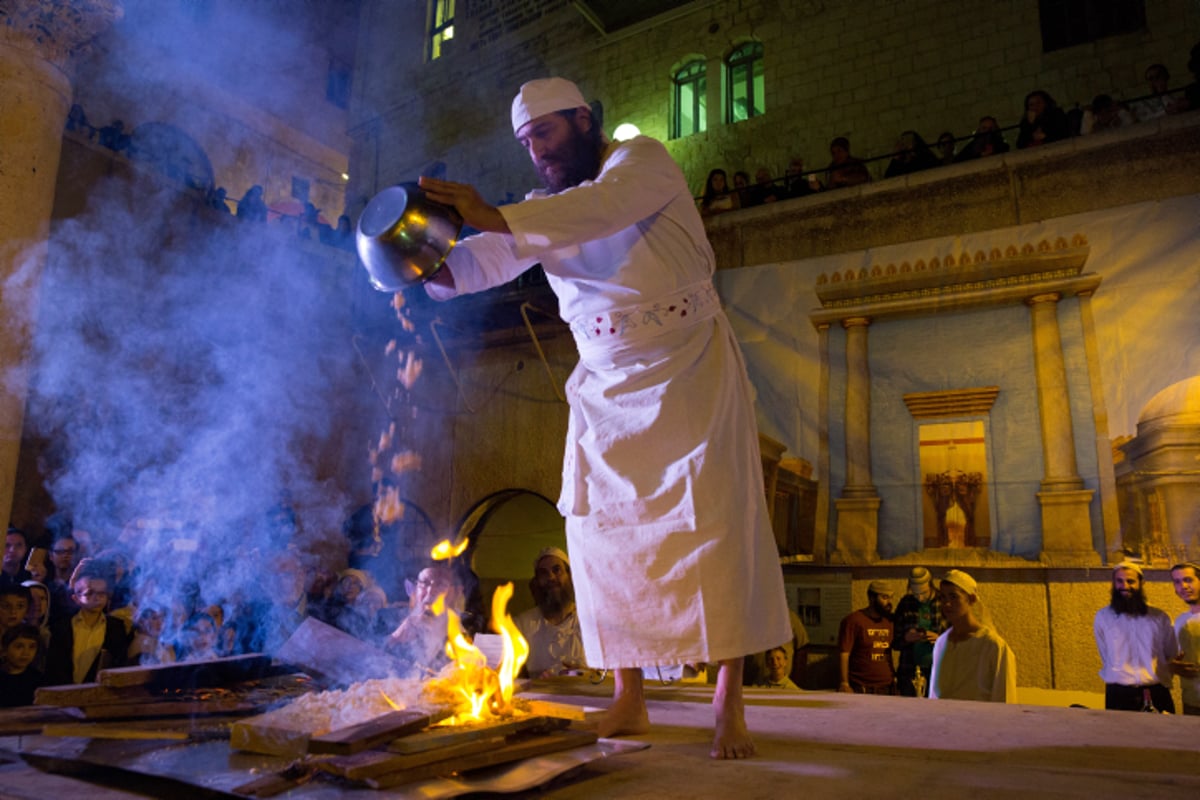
544 96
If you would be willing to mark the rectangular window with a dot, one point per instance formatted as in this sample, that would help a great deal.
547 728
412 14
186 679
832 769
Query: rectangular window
1066 23
690 101
953 459
441 27
746 91
745 83
337 83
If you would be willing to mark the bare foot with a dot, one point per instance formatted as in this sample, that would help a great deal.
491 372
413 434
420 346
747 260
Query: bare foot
731 739
624 718
627 716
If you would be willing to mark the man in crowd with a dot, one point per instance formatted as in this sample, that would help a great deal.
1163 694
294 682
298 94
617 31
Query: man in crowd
420 640
1186 578
16 546
917 625
675 561
1136 644
865 645
551 628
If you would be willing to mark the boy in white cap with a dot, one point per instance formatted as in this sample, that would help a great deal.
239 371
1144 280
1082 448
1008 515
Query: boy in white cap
1136 643
970 660
672 552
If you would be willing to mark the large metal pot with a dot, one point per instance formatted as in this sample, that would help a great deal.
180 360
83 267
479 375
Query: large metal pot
404 237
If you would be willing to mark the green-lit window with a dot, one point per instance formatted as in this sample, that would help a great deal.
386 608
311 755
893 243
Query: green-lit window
441 26
745 95
689 109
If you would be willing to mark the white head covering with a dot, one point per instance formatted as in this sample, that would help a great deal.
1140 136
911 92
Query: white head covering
544 96
962 580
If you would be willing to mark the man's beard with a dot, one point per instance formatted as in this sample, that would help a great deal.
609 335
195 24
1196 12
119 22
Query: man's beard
553 602
1134 605
576 161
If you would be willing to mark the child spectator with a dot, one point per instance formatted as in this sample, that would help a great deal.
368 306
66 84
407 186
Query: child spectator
90 640
39 617
148 646
19 679
200 638
14 605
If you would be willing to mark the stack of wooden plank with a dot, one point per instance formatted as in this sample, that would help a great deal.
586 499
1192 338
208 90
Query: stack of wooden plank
406 746
142 699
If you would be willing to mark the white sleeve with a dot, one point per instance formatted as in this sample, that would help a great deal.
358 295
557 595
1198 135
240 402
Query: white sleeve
638 179
480 262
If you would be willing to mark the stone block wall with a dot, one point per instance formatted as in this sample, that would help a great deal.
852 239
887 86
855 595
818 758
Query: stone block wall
864 70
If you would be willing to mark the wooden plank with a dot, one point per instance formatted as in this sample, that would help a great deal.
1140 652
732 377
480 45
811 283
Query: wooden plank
568 711
447 736
174 708
522 747
92 731
365 735
372 763
78 694
189 674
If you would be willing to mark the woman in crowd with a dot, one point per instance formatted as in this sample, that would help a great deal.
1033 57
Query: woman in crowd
717 197
1044 121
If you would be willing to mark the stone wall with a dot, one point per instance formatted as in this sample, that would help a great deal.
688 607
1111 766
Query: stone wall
864 70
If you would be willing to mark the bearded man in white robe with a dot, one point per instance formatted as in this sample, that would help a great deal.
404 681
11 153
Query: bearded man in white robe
667 528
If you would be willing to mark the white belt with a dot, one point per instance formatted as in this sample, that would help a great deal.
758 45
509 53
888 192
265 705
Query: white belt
630 324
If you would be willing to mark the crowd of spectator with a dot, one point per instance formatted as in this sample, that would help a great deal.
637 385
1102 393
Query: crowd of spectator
1043 121
72 604
252 207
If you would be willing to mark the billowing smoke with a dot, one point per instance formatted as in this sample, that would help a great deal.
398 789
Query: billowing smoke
184 371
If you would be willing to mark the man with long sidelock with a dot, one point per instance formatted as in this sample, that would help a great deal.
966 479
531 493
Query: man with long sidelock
667 527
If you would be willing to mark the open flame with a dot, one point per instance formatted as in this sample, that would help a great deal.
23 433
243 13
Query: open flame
480 691
443 550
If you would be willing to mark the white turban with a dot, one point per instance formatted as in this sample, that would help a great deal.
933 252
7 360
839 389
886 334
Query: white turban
962 580
544 96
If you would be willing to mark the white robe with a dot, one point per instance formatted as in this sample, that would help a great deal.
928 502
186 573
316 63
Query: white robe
982 667
671 548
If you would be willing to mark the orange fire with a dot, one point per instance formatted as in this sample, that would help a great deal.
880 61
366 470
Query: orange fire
481 692
443 550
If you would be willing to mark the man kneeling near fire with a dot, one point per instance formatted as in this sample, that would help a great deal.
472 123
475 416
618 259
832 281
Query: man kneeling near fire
551 628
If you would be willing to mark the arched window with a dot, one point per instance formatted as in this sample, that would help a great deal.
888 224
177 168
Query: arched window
745 96
689 106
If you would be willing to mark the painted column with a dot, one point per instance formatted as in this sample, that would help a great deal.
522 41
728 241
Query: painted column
858 410
37 38
1109 511
821 525
1066 524
858 507
1054 404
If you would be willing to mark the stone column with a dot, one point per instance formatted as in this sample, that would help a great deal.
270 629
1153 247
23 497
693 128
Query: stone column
1066 525
37 38
858 507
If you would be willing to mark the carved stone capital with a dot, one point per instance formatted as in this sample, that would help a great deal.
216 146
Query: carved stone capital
55 29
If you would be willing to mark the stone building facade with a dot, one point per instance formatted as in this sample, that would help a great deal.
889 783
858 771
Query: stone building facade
866 71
